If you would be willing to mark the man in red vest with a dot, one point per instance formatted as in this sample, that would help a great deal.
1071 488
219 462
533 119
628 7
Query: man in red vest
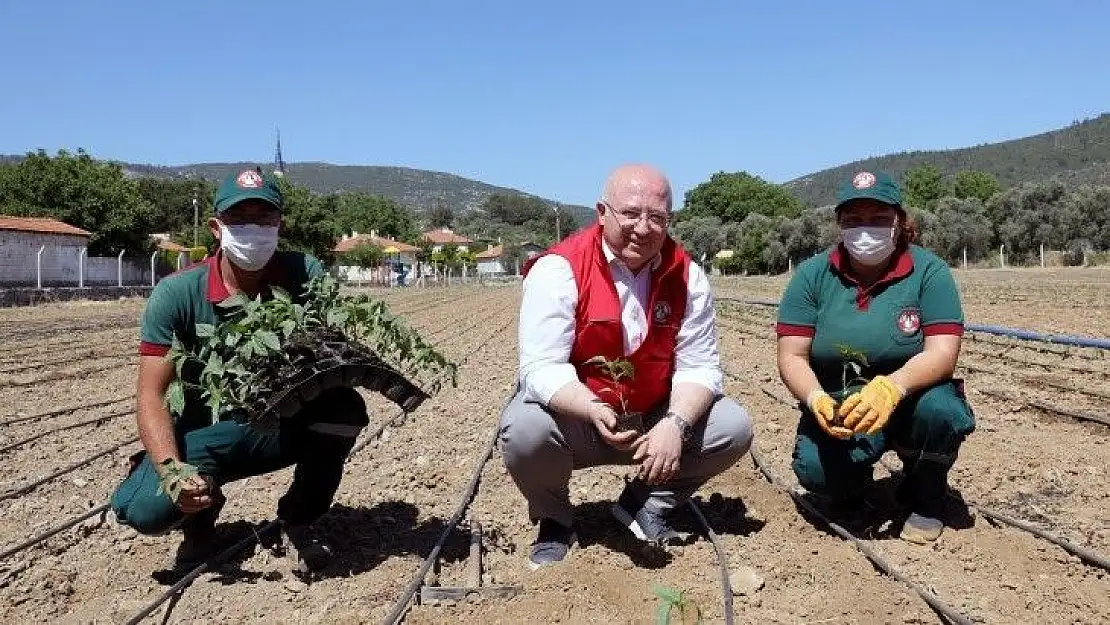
618 365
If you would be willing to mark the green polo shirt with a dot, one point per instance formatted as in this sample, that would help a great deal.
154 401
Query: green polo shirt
886 323
182 300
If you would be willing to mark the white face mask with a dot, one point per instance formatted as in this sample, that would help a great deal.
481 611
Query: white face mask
869 245
249 246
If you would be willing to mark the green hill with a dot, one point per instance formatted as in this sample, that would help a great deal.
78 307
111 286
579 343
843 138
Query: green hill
1078 153
417 189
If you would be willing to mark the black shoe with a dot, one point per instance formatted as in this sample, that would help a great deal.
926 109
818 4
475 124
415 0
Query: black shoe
552 544
644 523
198 538
304 544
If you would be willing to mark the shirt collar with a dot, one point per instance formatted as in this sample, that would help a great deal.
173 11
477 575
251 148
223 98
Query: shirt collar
217 290
900 268
610 258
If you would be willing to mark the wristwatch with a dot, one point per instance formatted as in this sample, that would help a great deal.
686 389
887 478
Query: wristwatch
684 427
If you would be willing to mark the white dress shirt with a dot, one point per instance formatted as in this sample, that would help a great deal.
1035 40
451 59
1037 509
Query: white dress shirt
546 331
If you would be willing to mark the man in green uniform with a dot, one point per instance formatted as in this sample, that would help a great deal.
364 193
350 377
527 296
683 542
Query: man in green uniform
869 333
248 215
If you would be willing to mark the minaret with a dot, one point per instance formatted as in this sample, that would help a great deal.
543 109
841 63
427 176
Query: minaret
279 162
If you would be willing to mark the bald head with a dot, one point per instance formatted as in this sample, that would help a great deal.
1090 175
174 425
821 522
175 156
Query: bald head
634 209
637 184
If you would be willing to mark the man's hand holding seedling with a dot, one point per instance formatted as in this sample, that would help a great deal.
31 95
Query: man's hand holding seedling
658 452
189 491
604 419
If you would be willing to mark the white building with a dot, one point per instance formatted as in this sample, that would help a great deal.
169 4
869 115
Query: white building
445 236
28 242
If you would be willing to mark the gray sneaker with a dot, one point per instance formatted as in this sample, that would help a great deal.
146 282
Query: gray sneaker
552 544
645 524
304 545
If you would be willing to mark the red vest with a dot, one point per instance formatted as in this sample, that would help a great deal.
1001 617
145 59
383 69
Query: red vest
597 320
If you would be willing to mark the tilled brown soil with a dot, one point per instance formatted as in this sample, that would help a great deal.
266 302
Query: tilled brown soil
400 490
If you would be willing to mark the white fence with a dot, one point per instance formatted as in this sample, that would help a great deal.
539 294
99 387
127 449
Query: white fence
69 266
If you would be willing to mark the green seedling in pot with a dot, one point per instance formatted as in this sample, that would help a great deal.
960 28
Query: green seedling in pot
268 357
618 370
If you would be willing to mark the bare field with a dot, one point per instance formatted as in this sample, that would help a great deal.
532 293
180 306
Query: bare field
400 491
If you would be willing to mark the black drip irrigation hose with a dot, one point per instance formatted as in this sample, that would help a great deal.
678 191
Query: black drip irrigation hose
1047 407
402 604
61 527
67 410
179 587
936 603
68 360
722 561
23 489
175 591
35 437
72 375
998 517
1079 551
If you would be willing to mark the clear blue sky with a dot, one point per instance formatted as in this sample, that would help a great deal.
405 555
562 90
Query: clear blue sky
545 97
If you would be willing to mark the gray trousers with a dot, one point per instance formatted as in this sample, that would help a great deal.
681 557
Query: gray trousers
541 449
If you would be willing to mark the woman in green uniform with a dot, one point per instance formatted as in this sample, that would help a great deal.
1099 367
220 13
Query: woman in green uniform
868 336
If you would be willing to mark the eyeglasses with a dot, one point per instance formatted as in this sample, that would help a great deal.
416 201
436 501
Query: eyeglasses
629 217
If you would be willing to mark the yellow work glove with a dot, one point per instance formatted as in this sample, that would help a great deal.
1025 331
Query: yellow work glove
868 410
823 408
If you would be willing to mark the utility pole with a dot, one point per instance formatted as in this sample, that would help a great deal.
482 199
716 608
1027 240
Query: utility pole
558 232
196 218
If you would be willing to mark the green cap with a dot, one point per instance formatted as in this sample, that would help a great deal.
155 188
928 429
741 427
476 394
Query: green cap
250 184
865 185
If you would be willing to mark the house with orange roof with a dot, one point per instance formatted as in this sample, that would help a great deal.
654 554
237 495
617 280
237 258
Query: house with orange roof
36 250
492 261
445 236
399 261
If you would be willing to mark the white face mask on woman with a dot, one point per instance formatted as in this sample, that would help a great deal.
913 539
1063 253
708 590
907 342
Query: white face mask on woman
869 245
249 246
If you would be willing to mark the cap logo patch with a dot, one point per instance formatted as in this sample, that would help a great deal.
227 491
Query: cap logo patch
662 312
863 180
249 179
909 321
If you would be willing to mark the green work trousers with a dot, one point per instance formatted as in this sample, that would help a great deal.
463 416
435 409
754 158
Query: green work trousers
316 440
926 430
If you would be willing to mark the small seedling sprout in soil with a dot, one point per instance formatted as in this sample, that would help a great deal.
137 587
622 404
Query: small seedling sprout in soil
260 342
672 603
617 370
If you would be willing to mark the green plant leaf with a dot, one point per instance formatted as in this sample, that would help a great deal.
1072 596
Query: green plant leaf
235 301
215 366
337 317
281 295
269 339
663 613
288 327
668 594
175 397
205 330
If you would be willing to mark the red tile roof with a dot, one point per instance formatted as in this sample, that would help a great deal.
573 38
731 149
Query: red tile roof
493 252
170 246
347 245
40 225
445 236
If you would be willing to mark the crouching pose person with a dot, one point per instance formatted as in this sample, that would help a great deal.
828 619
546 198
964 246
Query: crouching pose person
248 215
616 321
869 334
